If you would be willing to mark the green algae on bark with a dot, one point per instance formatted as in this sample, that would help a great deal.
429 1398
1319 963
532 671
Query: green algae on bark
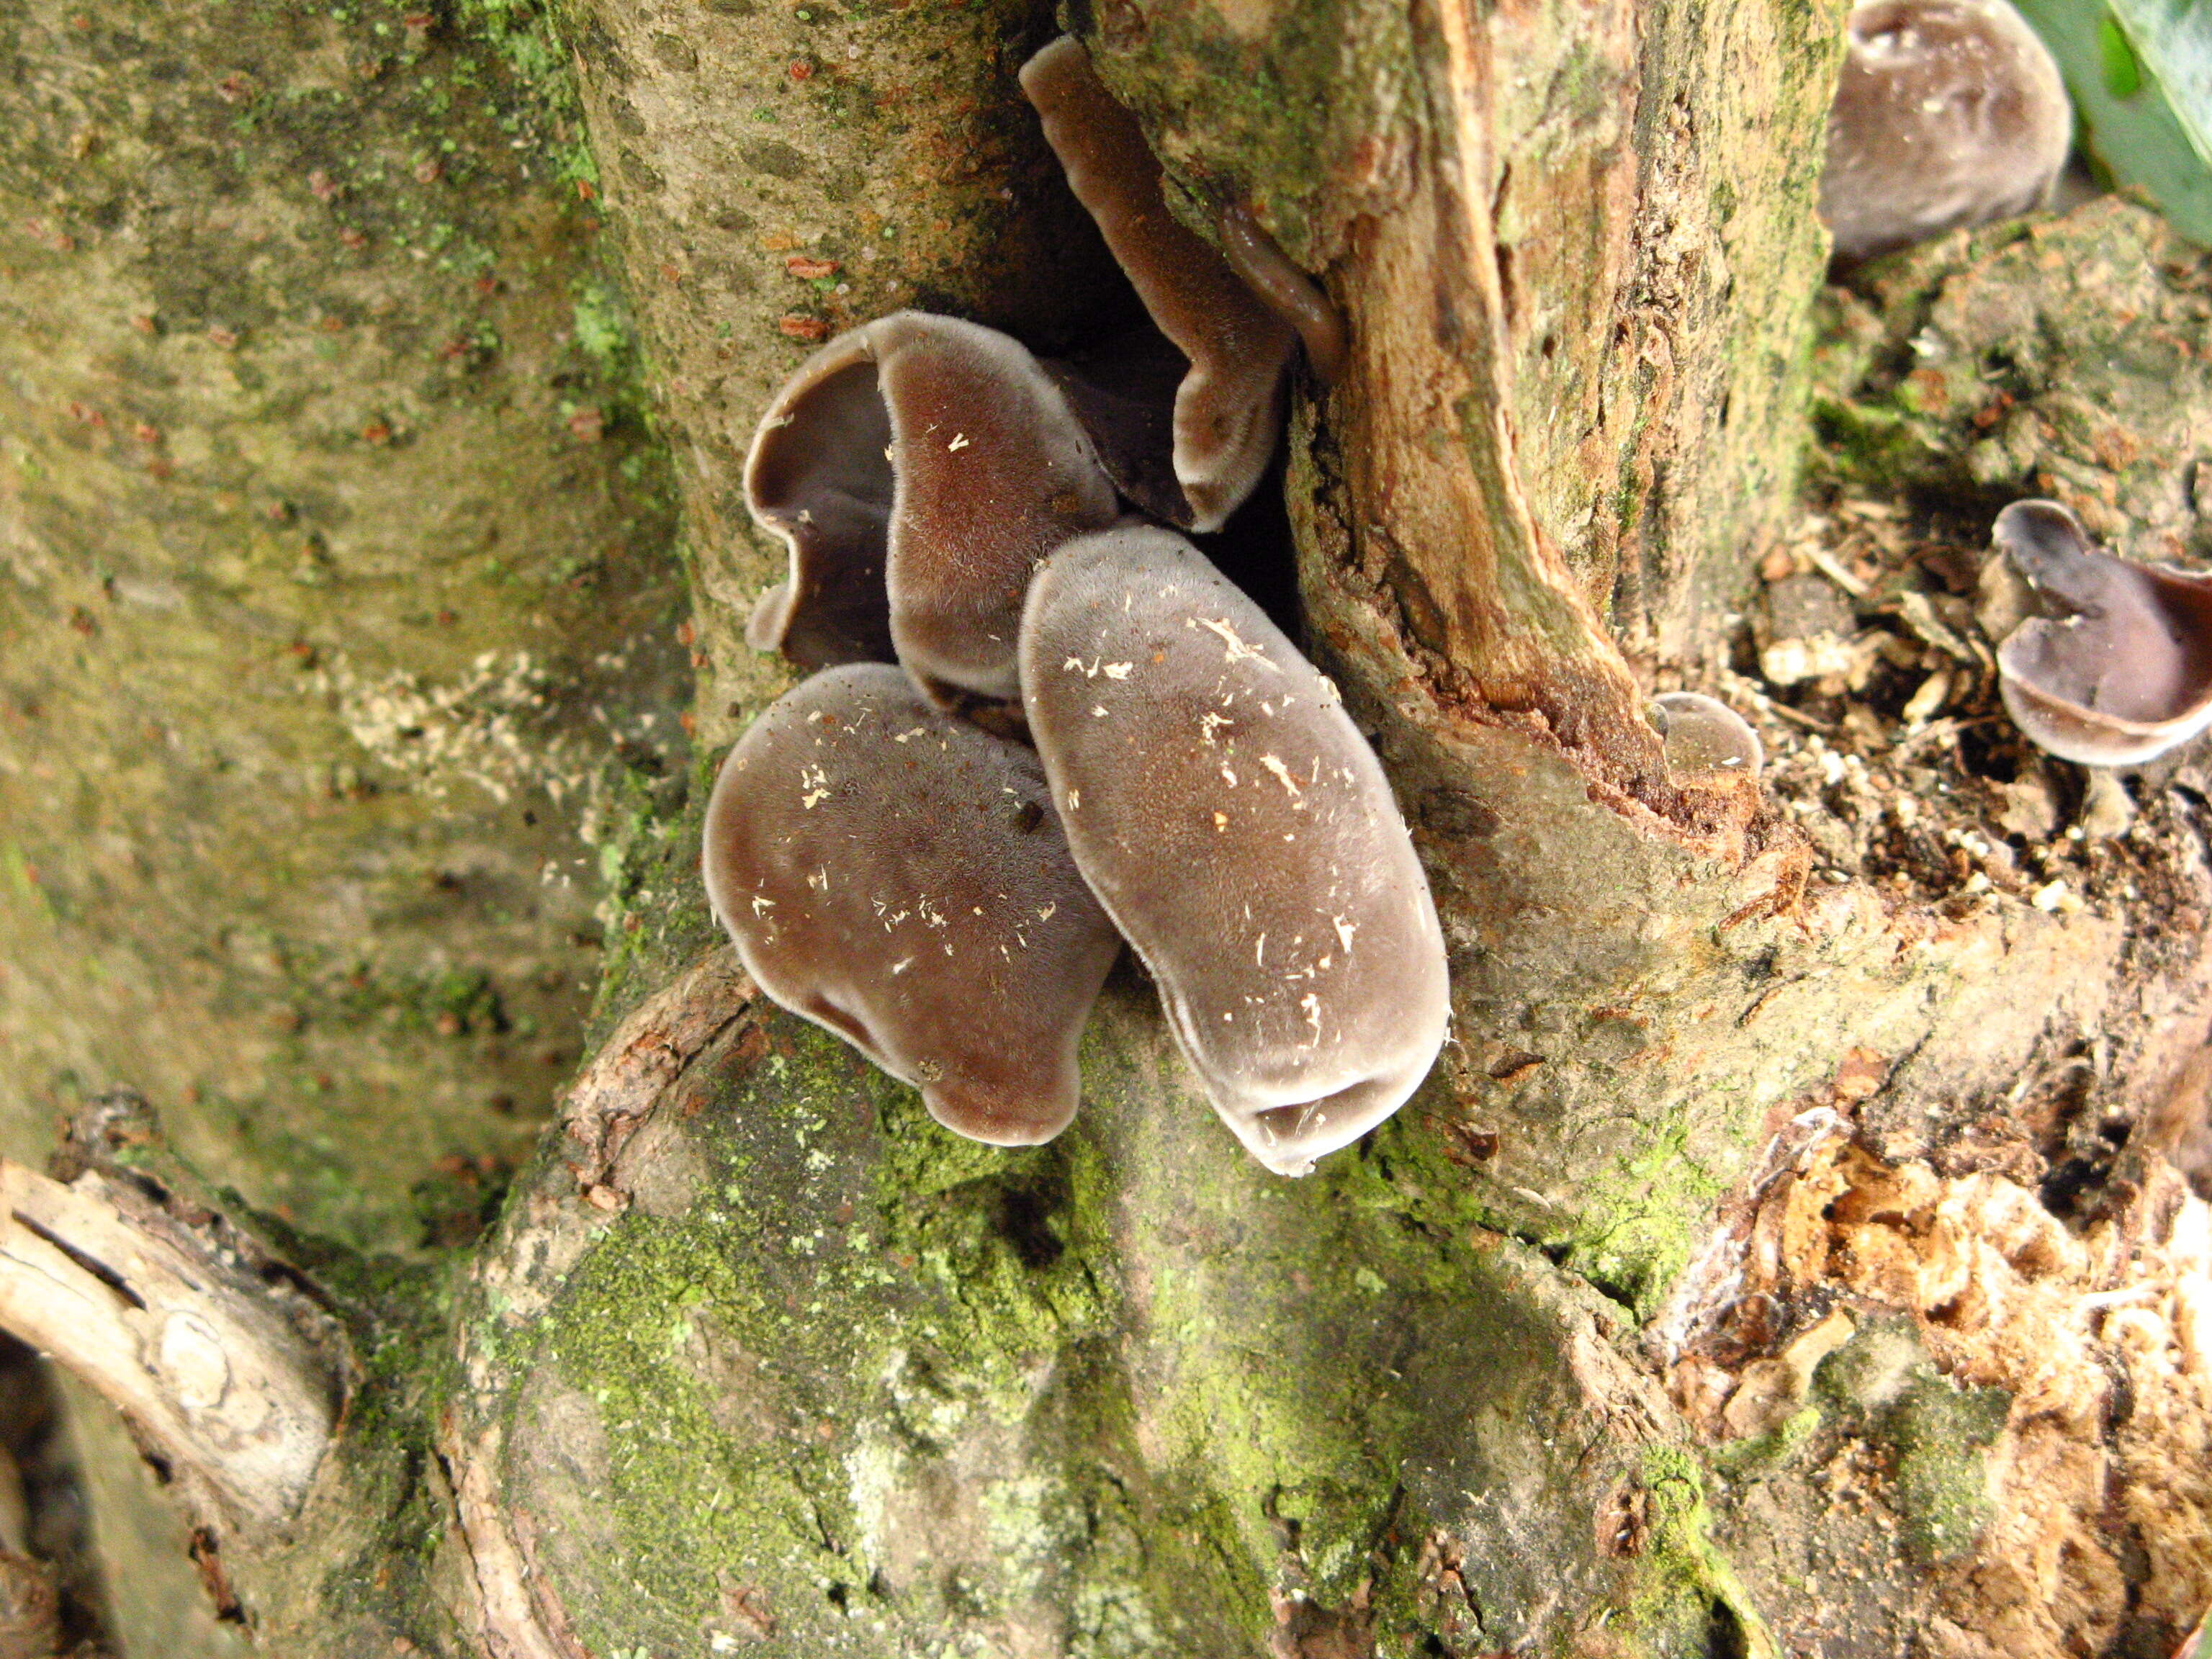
797 1360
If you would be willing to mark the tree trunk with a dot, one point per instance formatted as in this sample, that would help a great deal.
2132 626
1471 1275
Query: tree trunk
1779 1258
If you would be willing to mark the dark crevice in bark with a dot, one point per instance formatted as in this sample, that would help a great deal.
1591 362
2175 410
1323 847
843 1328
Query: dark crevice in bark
45 1514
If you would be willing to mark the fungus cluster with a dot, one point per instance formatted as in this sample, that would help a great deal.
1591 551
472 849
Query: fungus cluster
1947 112
1228 403
2121 670
897 863
918 468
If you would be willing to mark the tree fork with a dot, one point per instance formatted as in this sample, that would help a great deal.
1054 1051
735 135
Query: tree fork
756 1356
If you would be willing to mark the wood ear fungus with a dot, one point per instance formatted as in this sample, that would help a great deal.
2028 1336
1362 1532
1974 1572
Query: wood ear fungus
1240 832
2123 672
819 477
946 900
1228 400
1948 113
919 467
899 876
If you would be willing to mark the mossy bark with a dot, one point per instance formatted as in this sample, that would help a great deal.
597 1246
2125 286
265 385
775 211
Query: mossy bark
337 605
756 1356
338 592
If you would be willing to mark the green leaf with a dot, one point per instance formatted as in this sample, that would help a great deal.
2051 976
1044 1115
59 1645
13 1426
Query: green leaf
2144 112
2173 42
2123 74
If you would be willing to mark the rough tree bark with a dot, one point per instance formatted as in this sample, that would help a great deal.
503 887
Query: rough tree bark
1778 1258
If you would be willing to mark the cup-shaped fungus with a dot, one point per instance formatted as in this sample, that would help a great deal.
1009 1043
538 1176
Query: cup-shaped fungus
1705 738
818 476
1240 832
924 464
1228 401
1948 113
2123 672
898 876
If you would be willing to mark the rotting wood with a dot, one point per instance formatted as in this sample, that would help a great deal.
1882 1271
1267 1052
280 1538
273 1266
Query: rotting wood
1447 525
646 1057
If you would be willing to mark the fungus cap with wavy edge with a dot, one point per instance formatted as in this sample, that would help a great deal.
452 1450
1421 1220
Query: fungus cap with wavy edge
818 478
934 459
1228 405
2124 673
1947 112
899 876
1242 835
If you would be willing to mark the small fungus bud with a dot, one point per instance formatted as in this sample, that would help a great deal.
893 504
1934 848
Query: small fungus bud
2123 672
919 468
1228 402
1948 113
1704 738
1240 832
899 876
1286 290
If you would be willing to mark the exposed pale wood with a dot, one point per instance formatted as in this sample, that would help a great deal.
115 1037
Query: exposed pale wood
183 1342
